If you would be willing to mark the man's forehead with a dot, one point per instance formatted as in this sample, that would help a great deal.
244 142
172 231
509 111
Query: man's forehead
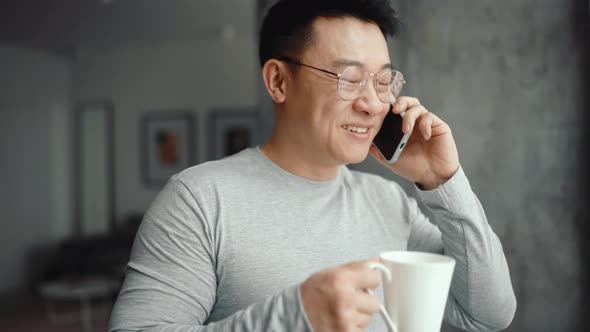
342 62
347 41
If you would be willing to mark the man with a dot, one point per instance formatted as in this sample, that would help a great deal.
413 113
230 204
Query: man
278 237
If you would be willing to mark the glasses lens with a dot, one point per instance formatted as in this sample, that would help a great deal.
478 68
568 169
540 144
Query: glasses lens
383 86
349 83
397 82
352 81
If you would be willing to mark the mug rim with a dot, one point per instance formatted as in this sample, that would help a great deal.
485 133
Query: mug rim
415 257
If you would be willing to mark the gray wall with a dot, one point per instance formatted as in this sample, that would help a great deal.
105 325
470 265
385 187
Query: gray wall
510 80
183 60
197 75
35 183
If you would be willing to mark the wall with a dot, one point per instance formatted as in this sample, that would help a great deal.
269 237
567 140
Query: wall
199 75
35 194
508 80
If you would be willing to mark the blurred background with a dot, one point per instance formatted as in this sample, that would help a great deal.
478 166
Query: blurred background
102 100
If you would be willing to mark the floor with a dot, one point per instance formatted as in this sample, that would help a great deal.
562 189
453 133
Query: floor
31 314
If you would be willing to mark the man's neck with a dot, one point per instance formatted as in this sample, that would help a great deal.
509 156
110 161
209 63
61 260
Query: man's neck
292 157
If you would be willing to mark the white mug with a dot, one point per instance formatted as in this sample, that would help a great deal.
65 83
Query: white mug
415 287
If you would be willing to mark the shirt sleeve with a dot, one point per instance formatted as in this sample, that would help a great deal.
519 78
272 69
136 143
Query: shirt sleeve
481 297
171 283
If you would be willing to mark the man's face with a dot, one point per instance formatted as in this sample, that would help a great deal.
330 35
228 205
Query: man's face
332 130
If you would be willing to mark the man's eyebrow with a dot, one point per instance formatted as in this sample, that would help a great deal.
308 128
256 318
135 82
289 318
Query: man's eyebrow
347 63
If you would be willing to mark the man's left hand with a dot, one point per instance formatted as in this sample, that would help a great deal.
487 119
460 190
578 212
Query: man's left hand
430 157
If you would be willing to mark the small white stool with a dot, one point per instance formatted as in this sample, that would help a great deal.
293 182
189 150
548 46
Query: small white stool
82 291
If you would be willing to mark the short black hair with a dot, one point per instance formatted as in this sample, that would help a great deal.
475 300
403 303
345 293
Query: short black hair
287 27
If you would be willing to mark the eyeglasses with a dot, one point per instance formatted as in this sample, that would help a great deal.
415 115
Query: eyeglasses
352 80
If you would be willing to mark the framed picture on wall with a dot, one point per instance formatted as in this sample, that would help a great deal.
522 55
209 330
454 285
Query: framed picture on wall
167 145
231 131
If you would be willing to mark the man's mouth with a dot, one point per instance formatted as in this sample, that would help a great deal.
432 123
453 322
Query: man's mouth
355 129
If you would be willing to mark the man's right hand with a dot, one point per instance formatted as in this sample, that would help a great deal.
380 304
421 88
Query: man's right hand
335 299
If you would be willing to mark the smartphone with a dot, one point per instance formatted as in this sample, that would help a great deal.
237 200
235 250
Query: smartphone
391 140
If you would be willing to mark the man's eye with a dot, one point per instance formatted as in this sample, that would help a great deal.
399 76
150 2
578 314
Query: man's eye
351 81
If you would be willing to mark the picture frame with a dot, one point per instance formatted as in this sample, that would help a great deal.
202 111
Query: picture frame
167 139
231 131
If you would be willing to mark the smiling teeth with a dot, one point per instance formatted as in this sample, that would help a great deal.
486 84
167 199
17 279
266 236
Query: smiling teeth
355 129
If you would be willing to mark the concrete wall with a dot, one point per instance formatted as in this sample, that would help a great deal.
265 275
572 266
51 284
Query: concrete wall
510 79
35 164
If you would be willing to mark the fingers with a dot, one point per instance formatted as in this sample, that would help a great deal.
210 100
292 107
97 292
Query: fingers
362 276
338 297
415 113
367 303
404 103
411 117
431 125
411 110
426 125
363 320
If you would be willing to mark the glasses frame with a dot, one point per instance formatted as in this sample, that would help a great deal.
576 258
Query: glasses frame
362 84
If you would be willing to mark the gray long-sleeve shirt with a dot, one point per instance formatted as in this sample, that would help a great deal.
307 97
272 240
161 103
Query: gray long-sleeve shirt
226 244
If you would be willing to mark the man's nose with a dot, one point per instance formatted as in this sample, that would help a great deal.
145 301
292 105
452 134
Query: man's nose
368 100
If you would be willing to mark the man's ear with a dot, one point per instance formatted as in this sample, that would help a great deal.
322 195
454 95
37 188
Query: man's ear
274 74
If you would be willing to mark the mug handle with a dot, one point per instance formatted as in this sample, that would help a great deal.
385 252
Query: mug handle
378 266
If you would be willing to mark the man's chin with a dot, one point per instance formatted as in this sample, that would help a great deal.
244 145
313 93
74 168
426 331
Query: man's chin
356 157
